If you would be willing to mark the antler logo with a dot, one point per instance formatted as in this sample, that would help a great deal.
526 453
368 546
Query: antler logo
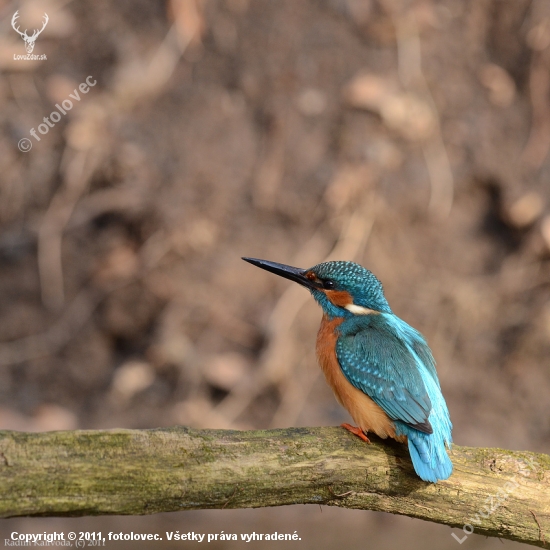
29 40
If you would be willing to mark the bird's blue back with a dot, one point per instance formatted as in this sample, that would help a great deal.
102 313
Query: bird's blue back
391 362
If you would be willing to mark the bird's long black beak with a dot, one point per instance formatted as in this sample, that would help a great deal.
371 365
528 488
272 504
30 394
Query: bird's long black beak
288 272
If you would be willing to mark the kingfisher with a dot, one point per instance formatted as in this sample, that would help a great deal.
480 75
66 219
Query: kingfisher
380 369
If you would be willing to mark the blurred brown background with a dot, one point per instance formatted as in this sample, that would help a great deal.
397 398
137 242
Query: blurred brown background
411 137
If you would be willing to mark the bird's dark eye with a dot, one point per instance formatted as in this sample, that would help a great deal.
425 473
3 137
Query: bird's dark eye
328 283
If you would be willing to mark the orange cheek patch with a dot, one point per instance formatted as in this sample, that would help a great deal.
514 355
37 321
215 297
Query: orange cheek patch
312 277
339 297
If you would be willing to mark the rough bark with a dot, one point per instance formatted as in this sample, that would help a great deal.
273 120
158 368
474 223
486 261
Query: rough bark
492 491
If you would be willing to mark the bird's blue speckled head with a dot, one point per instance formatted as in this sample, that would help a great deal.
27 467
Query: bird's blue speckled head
343 289
341 278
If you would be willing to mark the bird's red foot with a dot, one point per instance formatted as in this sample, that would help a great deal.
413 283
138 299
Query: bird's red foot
356 431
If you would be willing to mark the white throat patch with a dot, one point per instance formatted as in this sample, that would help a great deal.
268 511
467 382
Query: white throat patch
360 310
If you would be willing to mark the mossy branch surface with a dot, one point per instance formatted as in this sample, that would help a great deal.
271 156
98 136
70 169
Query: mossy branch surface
79 473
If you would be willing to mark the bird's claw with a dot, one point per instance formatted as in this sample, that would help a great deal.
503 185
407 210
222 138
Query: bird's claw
356 431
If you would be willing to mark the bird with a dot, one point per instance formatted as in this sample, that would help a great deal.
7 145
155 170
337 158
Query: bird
380 369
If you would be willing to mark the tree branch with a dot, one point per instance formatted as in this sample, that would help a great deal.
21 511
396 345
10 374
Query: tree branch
492 491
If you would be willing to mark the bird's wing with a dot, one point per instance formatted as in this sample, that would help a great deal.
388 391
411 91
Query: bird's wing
379 363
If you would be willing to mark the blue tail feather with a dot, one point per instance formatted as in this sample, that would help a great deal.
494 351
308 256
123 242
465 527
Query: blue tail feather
428 453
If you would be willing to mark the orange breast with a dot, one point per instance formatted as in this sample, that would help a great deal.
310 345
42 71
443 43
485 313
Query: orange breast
364 411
